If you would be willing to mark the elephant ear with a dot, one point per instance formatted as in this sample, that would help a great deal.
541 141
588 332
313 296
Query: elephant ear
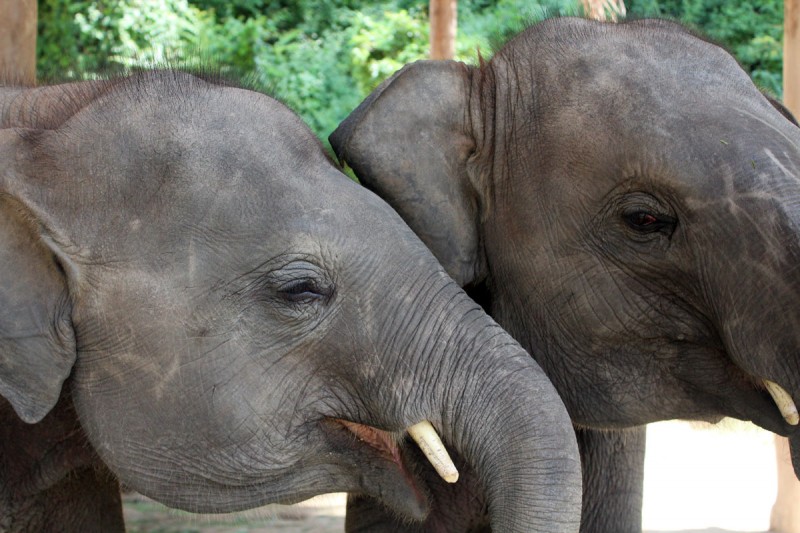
410 142
37 344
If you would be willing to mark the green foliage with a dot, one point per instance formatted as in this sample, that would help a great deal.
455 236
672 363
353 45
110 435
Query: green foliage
752 30
322 57
382 44
81 39
308 74
487 24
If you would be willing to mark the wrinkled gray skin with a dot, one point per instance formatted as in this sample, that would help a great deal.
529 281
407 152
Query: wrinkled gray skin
201 294
626 203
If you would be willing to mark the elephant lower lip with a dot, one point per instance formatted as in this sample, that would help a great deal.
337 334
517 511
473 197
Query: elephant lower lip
749 400
384 444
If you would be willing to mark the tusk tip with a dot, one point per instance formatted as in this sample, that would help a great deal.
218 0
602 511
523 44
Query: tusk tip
451 477
431 445
783 400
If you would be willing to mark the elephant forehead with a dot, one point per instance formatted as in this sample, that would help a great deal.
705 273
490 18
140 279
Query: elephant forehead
588 55
697 145
216 139
632 78
238 161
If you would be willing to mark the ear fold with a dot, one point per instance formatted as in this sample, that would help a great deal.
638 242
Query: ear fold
37 346
409 141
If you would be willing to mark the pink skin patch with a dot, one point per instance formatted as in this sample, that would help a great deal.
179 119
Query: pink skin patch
385 444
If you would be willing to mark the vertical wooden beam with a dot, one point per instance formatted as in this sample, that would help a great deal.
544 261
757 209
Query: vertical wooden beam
443 28
785 516
18 41
791 55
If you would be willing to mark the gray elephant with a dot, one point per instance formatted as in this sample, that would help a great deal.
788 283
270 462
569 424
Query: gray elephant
626 203
194 300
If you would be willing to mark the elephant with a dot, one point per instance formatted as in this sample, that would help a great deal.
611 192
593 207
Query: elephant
624 201
197 303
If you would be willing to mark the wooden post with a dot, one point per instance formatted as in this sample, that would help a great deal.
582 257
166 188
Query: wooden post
443 28
604 9
785 516
791 55
18 41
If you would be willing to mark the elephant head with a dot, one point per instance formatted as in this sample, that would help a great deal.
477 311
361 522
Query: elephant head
626 200
236 322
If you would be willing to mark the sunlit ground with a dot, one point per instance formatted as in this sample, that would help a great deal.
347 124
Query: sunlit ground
697 479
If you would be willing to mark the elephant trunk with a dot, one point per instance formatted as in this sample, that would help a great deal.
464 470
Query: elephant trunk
765 344
756 297
514 432
494 407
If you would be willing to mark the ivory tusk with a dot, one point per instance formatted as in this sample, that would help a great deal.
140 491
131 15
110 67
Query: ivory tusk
784 402
431 445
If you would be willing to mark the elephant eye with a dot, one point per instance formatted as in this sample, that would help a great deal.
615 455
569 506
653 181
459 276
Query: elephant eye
646 222
641 219
295 284
304 291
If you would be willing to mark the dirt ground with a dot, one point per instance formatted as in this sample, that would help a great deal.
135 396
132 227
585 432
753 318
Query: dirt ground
324 514
698 480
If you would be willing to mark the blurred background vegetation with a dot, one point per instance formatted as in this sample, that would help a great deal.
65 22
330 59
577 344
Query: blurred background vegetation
322 57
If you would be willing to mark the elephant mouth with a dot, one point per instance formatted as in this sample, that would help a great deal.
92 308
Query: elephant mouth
773 408
383 442
391 475
788 410
423 433
764 403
